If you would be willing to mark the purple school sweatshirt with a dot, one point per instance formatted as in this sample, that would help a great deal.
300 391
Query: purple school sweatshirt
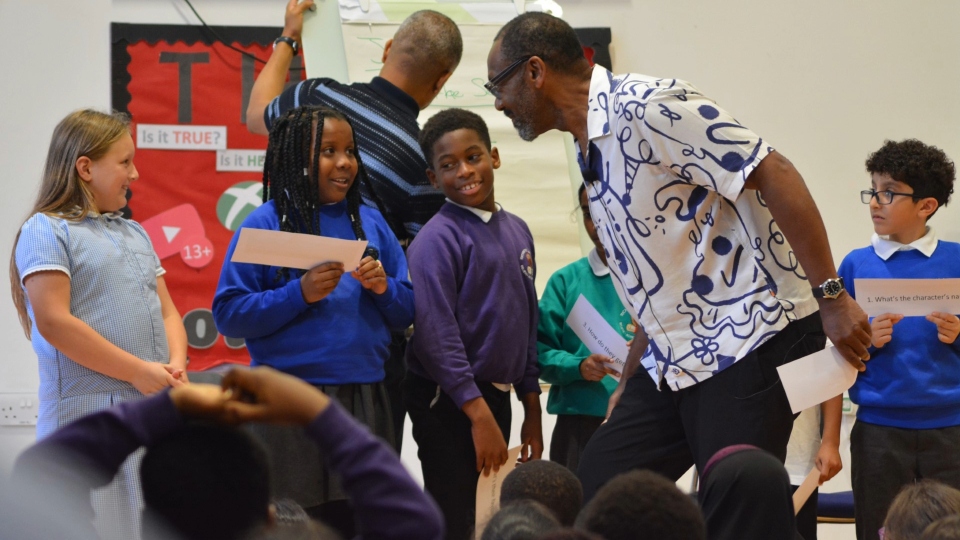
387 501
475 303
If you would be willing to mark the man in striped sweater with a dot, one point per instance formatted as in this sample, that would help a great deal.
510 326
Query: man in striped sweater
416 63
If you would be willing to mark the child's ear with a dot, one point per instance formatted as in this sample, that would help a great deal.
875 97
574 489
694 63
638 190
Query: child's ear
84 167
495 155
927 207
432 176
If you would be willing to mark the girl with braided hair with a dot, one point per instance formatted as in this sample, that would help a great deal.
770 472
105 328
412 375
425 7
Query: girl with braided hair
331 330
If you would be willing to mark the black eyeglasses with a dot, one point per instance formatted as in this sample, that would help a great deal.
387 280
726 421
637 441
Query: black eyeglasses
493 84
883 197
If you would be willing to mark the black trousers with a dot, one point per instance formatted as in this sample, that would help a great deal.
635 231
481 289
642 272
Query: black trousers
446 451
668 431
884 459
570 436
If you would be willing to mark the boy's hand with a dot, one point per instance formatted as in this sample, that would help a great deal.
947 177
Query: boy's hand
882 328
178 373
948 326
828 461
593 367
531 431
200 401
320 281
293 18
847 326
488 440
371 275
263 394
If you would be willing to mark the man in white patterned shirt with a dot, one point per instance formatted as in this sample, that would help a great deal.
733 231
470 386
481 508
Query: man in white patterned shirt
706 227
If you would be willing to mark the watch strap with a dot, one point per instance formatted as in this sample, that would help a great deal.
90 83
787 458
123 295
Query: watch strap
289 41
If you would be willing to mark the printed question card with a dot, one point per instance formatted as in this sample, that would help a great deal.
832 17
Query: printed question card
815 378
908 297
597 334
296 250
488 490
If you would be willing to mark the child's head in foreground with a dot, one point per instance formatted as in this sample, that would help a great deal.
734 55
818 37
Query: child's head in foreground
642 504
909 181
460 157
547 483
917 506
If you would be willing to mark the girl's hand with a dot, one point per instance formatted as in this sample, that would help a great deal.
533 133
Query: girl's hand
882 328
828 461
948 326
320 281
178 373
593 367
371 275
152 378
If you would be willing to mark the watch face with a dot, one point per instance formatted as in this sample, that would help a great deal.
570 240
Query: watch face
832 288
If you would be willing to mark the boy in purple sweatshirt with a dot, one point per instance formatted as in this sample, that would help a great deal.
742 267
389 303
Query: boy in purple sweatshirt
475 328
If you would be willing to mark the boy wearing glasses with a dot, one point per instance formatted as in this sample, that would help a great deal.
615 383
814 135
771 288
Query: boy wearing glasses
908 423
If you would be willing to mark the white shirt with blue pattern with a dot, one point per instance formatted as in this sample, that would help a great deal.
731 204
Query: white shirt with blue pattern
699 261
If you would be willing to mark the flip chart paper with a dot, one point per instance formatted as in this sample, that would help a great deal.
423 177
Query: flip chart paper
295 250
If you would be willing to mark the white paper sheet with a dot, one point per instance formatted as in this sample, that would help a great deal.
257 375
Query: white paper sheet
295 250
597 334
805 489
815 378
488 490
908 297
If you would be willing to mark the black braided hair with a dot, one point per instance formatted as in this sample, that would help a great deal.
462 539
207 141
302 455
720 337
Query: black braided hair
287 179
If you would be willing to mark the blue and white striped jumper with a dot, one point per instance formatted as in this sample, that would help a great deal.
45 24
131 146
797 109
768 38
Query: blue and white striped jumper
113 272
384 118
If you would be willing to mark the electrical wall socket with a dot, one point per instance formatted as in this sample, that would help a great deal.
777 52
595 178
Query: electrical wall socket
19 409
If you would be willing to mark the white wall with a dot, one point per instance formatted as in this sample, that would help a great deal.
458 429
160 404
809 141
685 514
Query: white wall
826 81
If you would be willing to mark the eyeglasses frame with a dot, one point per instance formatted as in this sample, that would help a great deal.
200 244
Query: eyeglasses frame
493 84
876 194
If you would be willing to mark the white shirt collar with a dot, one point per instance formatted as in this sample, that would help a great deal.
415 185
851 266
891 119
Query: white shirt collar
885 248
484 215
598 120
599 269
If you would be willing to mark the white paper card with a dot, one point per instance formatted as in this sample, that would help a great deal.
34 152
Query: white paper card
597 334
803 492
815 378
295 250
908 297
488 490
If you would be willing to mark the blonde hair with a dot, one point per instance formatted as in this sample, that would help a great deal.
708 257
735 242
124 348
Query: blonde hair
62 192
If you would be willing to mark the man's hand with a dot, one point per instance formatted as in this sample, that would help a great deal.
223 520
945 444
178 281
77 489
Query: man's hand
320 281
594 367
848 328
948 326
881 328
371 275
293 18
263 394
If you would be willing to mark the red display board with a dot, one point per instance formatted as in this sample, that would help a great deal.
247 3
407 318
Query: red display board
200 169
